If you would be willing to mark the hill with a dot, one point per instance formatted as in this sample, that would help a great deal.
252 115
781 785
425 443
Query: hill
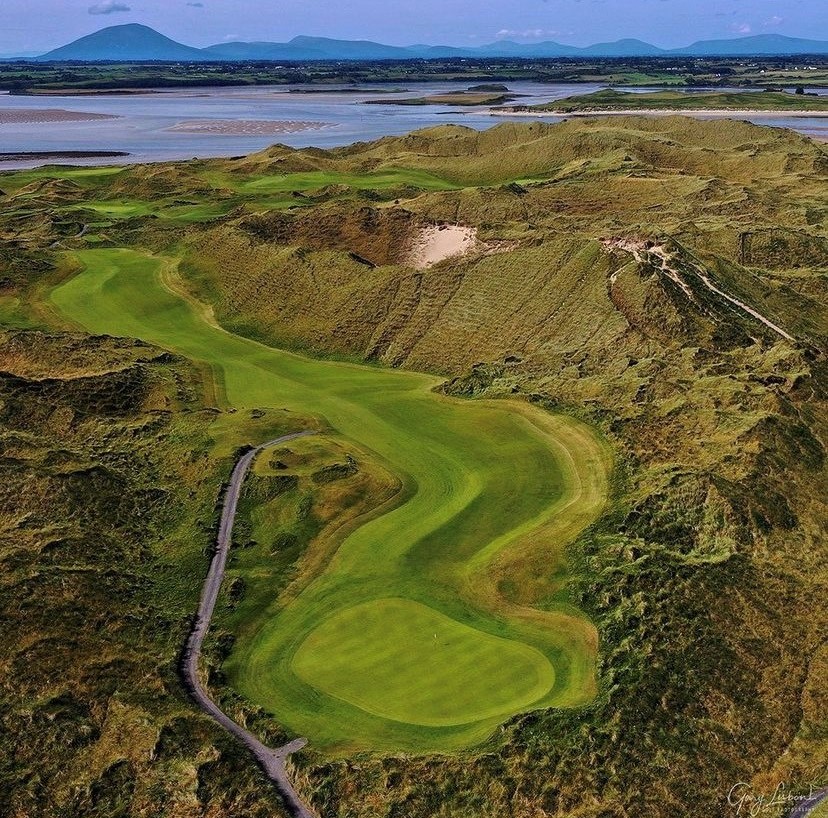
622 48
757 45
140 43
310 48
126 42
610 99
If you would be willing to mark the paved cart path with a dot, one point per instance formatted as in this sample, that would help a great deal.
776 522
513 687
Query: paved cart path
272 760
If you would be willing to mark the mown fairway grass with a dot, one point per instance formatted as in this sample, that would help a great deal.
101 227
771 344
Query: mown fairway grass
380 180
188 213
405 641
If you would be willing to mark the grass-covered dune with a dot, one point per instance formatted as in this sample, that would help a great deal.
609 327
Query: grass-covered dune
661 280
610 99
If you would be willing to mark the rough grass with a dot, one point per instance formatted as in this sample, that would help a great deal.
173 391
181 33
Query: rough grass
610 100
109 481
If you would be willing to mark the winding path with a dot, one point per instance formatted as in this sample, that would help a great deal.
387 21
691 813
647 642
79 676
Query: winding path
641 252
271 760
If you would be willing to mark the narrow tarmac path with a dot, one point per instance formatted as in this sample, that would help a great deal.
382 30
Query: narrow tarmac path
271 760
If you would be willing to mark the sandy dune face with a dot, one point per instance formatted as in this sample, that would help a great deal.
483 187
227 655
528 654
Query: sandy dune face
439 242
245 127
13 116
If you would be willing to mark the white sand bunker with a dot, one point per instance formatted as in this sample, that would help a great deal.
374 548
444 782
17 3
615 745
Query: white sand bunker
439 242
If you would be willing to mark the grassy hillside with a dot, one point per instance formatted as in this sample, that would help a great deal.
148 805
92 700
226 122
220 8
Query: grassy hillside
611 100
635 272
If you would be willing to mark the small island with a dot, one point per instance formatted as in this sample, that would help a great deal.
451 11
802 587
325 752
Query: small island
475 96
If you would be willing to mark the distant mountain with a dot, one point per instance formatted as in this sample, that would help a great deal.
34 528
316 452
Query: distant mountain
353 49
506 48
756 46
127 42
309 48
140 43
622 48
254 52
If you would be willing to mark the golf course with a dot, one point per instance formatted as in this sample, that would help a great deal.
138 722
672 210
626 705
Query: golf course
441 615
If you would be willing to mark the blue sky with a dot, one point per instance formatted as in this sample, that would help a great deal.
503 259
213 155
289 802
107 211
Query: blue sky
37 25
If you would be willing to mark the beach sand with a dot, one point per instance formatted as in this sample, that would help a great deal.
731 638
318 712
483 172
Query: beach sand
434 244
245 127
20 116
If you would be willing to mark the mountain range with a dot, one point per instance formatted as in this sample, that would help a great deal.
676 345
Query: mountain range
137 42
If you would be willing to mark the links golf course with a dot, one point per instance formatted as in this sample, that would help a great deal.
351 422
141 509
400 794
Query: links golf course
441 615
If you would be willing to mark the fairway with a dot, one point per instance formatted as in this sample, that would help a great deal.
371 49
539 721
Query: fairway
364 181
407 640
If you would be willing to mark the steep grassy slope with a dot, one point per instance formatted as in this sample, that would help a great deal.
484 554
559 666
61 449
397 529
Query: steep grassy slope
631 245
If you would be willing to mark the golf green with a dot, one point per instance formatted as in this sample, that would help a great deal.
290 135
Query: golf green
432 622
401 660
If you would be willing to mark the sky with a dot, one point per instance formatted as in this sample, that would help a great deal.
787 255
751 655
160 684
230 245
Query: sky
34 26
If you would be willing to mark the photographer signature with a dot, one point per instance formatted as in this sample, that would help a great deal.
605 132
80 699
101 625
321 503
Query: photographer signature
747 801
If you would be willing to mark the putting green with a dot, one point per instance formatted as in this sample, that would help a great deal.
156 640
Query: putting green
401 660
492 492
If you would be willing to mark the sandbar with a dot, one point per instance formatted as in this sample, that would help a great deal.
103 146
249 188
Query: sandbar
27 116
245 127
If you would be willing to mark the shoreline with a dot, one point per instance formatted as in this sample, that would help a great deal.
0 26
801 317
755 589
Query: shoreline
724 112
84 92
23 156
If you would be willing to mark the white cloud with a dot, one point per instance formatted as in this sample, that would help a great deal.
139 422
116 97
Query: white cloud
526 34
774 21
742 28
108 7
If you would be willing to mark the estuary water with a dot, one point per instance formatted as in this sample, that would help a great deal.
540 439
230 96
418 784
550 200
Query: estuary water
206 122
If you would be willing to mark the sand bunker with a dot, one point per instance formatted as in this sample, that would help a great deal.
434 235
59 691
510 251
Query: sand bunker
245 127
19 116
437 243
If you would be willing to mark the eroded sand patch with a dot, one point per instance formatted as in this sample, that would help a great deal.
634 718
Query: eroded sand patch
246 127
438 242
